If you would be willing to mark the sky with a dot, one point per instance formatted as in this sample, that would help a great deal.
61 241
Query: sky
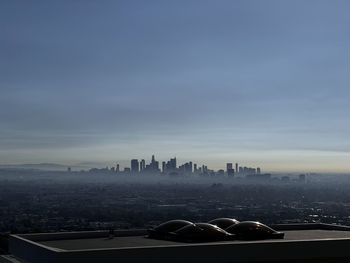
262 83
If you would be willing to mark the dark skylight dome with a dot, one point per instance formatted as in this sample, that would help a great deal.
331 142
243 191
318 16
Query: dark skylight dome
251 230
202 232
186 231
168 227
224 222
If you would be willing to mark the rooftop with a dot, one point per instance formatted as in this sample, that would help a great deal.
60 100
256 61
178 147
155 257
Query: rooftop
143 241
302 243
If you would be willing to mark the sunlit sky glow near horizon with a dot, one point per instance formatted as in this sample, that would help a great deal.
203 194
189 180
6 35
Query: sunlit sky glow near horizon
263 83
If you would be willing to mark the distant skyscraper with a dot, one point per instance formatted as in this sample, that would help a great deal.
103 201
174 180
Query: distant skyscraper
142 164
186 168
173 164
153 167
229 167
134 166
236 167
258 170
163 167
204 168
170 165
117 169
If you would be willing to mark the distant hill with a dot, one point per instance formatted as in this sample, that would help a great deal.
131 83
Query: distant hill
36 166
52 166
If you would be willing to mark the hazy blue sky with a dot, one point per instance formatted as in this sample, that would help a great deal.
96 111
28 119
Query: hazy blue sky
260 82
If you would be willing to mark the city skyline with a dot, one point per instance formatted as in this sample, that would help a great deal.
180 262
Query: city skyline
155 166
214 163
172 165
261 82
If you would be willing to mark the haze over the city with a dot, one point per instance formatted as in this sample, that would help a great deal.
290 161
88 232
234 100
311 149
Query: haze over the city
258 82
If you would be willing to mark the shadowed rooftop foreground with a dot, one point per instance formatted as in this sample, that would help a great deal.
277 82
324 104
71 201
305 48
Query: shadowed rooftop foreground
319 243
142 241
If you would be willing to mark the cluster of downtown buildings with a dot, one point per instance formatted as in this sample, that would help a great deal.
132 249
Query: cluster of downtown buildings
171 168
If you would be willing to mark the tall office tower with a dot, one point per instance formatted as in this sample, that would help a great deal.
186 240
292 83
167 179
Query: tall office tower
117 169
134 166
156 166
172 164
229 167
236 167
181 169
163 167
204 169
195 167
258 170
190 167
240 169
245 170
142 164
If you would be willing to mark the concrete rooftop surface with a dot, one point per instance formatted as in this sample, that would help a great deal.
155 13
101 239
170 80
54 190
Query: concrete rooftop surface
143 241
307 243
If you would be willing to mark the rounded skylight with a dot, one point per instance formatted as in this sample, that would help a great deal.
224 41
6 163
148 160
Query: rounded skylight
202 232
224 222
168 227
251 230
